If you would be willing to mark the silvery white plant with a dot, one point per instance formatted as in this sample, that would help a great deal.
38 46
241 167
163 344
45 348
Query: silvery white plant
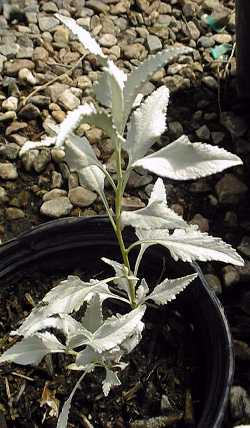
95 342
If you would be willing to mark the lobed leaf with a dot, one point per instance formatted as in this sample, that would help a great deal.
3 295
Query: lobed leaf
183 160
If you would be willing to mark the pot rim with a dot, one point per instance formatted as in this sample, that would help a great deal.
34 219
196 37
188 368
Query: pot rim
34 244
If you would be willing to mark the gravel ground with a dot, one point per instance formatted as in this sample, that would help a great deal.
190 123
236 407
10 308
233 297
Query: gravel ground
35 50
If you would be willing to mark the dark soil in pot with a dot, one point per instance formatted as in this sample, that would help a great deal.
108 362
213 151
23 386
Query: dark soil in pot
167 376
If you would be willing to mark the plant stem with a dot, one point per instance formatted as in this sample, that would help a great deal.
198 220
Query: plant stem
118 231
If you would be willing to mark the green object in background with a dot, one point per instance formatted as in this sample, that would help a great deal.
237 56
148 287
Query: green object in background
216 22
220 50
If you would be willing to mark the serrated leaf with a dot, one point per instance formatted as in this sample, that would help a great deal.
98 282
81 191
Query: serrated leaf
93 317
110 380
121 272
142 73
31 350
116 78
62 322
65 298
34 145
190 245
183 160
168 289
156 214
93 178
147 124
86 113
63 417
73 120
83 36
115 330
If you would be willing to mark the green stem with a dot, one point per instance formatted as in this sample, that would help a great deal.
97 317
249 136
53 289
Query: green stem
118 203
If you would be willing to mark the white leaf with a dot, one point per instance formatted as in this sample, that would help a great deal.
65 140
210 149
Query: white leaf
116 78
110 380
84 36
115 330
79 153
73 120
86 113
34 145
133 339
31 350
189 245
66 297
63 418
121 271
183 160
62 322
93 178
156 214
102 90
168 289
141 292
141 74
147 124
88 357
93 318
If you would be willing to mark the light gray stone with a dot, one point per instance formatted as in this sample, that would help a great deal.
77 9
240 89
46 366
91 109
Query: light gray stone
10 104
82 197
9 50
68 100
154 43
58 207
108 40
25 52
239 403
8 171
9 151
42 160
13 213
54 194
47 23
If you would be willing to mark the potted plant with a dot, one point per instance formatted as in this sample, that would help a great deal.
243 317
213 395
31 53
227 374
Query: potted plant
93 341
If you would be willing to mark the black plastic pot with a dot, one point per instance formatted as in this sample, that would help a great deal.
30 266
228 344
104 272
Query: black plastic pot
62 244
